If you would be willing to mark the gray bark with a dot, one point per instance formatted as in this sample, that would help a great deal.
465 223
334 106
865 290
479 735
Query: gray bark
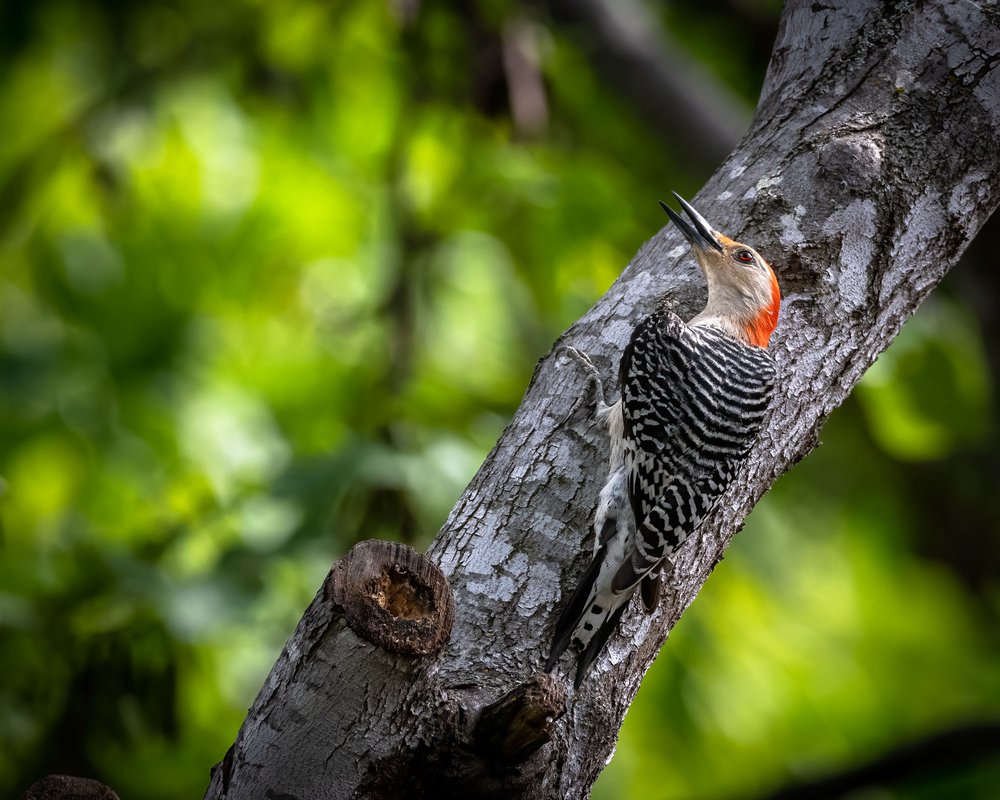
872 161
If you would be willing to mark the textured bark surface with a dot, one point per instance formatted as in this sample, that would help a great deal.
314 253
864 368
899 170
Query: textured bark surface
872 161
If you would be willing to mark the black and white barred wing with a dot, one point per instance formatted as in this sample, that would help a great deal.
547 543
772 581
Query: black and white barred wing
693 401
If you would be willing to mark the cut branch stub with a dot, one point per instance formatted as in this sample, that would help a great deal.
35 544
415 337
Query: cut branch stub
394 597
510 730
68 787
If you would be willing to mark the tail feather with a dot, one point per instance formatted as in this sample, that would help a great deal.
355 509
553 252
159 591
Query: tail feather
601 596
593 611
598 640
582 597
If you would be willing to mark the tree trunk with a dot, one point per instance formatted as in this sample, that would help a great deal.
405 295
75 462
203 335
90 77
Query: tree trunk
872 161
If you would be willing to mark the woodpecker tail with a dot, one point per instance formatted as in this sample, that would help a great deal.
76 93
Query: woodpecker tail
571 615
601 635
593 611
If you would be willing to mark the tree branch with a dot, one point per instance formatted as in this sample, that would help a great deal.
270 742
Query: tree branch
695 112
934 752
872 161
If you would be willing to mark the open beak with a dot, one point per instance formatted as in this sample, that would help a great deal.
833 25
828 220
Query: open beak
698 232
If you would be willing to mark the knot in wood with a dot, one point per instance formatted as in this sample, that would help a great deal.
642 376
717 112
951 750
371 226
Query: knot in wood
510 730
394 597
854 160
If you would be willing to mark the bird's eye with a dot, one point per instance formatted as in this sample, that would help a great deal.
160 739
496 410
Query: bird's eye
744 256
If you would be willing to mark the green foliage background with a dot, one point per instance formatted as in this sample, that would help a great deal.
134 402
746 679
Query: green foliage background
274 275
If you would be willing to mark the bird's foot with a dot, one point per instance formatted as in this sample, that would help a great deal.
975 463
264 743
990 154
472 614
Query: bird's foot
593 375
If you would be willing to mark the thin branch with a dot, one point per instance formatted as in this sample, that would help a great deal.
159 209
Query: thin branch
944 749
694 112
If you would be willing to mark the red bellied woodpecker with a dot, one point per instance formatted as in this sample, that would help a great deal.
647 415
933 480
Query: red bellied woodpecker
693 399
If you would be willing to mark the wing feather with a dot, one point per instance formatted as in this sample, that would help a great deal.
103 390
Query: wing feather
693 401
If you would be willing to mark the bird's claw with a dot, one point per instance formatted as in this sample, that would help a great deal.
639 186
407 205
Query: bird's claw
580 356
593 374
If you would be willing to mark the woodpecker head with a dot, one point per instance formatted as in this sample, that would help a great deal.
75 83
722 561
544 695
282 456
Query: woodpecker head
743 294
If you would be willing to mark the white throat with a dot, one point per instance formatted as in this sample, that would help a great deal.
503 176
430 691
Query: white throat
727 325
733 306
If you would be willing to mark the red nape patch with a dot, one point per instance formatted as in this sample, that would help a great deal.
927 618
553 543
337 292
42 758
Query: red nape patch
762 326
